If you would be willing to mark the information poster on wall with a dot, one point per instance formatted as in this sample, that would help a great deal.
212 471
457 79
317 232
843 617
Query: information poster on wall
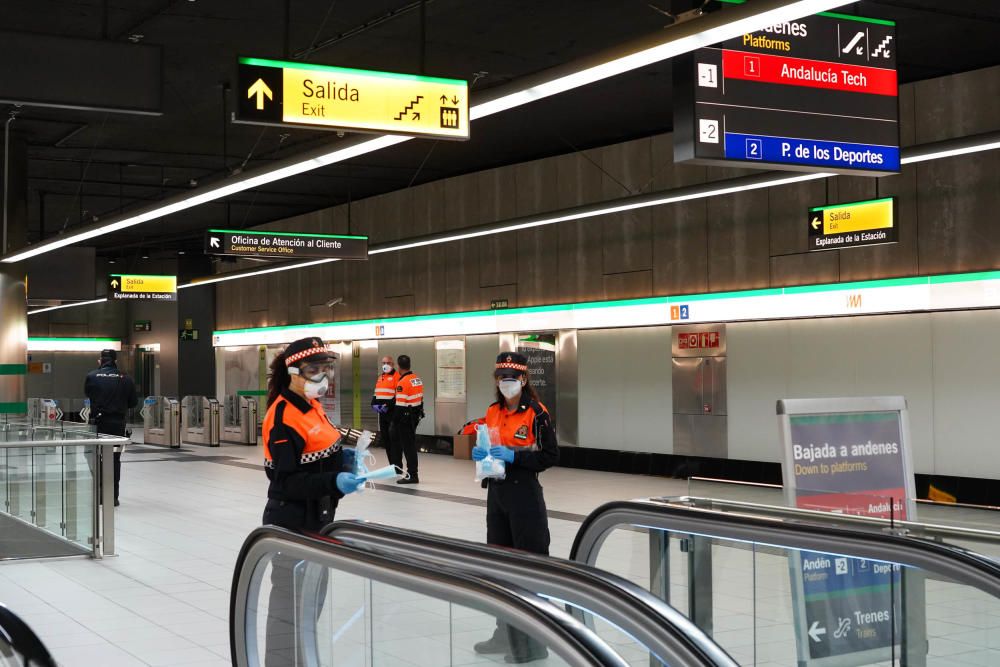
331 400
450 370
540 349
848 456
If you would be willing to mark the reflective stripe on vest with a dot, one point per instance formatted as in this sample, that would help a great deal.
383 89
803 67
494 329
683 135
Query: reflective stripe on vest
410 391
385 386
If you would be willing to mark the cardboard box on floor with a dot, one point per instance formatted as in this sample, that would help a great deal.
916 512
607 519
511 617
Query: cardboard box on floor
462 448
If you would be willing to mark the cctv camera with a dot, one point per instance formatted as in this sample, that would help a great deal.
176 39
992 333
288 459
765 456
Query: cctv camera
335 301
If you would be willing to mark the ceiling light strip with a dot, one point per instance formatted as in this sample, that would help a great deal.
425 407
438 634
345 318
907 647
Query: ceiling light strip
910 155
66 305
73 344
685 37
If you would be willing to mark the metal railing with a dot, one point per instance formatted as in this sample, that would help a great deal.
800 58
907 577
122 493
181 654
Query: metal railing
571 640
56 489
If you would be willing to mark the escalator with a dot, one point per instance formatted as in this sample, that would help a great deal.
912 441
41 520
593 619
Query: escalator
792 587
19 645
314 601
640 626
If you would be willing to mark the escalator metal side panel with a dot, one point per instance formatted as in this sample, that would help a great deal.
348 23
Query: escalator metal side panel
566 636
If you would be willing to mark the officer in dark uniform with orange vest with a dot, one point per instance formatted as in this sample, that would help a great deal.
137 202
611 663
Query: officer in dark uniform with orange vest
384 399
309 470
515 506
406 415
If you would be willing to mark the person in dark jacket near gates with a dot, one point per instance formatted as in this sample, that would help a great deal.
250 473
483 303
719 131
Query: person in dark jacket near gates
309 470
112 394
515 506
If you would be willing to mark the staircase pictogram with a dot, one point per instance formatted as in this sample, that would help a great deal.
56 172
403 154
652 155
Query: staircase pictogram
883 49
408 107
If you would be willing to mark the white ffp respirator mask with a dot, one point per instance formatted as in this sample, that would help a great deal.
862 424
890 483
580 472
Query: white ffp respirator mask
510 388
317 389
386 368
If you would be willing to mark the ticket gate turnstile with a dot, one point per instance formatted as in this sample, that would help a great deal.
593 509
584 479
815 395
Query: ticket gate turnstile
43 411
200 421
239 422
161 421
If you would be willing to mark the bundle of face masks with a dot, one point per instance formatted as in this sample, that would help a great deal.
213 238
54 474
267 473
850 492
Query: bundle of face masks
364 458
489 467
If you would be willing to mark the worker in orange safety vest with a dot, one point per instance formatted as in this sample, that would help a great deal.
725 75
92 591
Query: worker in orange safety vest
384 399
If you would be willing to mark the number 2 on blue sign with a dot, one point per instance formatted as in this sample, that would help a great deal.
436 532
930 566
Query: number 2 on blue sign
755 149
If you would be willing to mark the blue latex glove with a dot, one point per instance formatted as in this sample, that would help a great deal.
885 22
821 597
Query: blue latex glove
505 454
380 408
479 453
350 458
348 482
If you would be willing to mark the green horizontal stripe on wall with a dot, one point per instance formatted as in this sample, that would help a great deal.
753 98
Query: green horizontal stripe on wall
13 369
252 392
15 408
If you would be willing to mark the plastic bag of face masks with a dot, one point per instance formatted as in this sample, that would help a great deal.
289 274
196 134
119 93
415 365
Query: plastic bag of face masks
489 467
364 458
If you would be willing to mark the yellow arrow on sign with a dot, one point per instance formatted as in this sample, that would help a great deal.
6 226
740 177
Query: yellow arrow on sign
114 283
260 89
816 223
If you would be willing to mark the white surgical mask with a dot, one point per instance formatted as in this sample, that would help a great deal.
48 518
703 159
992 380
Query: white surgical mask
510 388
317 389
386 368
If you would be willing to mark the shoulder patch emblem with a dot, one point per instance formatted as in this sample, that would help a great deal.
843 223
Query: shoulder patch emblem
417 382
522 432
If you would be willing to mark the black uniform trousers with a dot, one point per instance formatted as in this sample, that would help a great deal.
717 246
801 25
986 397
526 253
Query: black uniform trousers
516 517
292 580
385 431
403 441
113 425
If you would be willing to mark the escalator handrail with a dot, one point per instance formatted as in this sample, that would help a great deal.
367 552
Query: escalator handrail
959 565
919 529
572 640
23 640
665 632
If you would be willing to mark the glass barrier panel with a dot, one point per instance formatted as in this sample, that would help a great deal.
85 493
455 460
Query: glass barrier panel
304 613
48 488
79 464
195 414
626 646
19 490
775 606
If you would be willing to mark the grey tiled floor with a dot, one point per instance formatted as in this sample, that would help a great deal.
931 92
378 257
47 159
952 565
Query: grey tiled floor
164 600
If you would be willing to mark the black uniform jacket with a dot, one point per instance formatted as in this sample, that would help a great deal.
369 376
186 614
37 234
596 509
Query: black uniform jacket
111 392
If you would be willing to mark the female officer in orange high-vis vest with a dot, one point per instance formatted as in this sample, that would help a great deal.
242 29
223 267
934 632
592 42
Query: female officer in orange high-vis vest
515 507
309 471
308 468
